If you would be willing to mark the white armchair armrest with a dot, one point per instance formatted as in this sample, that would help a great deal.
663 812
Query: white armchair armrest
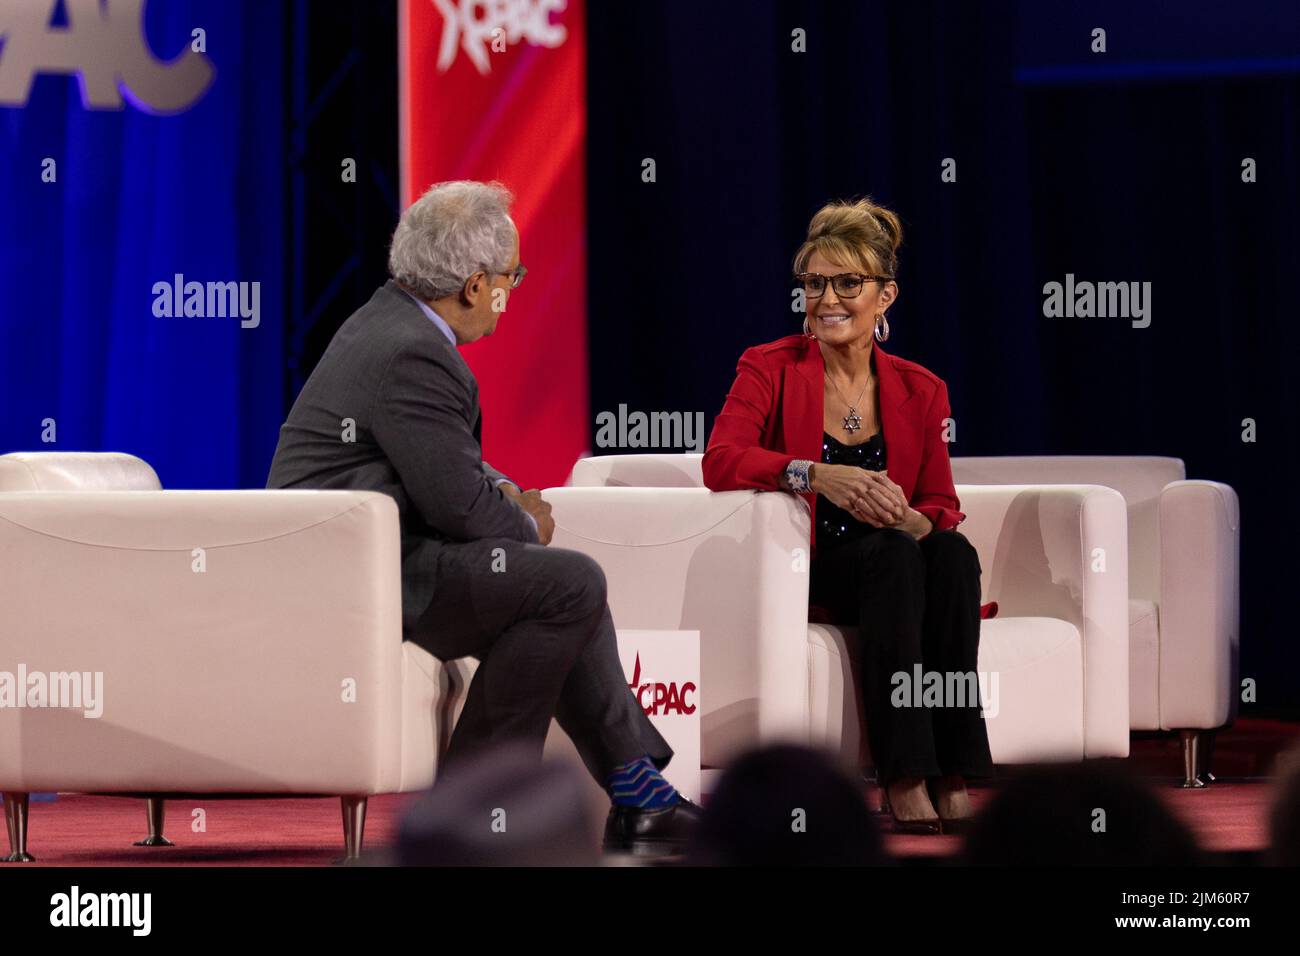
1200 542
1060 551
639 471
75 471
733 565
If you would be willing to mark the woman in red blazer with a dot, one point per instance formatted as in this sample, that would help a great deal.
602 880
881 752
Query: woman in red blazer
860 435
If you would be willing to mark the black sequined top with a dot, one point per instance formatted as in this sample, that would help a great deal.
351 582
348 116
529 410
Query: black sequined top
834 524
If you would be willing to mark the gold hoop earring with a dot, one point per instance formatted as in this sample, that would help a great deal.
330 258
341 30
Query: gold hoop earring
882 327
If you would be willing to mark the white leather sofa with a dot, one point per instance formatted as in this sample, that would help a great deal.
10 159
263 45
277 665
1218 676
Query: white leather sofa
1184 591
728 564
249 641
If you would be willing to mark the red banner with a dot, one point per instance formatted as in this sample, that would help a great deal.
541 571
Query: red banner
497 90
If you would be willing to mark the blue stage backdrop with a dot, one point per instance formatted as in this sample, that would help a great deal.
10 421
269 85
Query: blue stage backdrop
184 177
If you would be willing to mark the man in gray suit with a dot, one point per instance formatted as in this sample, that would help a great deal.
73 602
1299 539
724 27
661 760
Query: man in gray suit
393 407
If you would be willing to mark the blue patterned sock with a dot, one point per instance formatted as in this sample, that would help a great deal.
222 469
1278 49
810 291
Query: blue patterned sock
638 783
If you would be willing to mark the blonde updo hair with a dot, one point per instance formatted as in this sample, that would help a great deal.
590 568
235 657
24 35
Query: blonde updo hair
858 234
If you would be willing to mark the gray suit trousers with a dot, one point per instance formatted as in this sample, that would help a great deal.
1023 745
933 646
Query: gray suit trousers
536 619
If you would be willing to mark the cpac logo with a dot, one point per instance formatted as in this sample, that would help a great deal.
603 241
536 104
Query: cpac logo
669 697
504 22
104 45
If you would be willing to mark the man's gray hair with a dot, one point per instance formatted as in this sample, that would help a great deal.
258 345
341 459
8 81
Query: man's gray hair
452 231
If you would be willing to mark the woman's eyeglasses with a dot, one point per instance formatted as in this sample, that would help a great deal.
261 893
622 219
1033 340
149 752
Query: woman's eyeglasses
847 285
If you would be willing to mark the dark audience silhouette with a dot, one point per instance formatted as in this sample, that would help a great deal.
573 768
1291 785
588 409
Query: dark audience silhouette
786 806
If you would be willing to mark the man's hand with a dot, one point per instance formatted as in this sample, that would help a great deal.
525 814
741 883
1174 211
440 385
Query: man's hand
531 501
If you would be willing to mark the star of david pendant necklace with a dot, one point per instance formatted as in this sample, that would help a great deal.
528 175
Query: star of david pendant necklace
852 421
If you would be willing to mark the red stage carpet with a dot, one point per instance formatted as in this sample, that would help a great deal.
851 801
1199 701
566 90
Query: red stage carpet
1228 816
77 830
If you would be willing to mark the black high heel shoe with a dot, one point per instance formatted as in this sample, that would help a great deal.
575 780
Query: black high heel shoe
959 826
933 827
880 808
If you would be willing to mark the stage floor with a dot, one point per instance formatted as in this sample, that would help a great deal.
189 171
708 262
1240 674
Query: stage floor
1231 816
79 830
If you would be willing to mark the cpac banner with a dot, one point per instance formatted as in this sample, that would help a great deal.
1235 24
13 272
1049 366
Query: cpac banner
496 90
663 669
663 673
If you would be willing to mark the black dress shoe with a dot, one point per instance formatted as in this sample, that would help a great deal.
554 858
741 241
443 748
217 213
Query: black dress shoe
651 832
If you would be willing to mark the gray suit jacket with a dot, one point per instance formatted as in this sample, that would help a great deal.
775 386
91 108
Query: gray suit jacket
415 405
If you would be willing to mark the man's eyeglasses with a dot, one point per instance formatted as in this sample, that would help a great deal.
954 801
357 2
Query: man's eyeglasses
847 285
516 276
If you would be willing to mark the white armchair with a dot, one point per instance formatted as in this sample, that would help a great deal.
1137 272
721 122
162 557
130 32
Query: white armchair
1184 594
249 642
734 566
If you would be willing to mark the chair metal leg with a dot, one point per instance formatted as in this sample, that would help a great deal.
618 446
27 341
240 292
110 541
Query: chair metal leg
153 809
16 821
1207 755
354 827
1191 758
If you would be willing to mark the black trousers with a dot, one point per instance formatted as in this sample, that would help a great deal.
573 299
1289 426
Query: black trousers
915 603
536 619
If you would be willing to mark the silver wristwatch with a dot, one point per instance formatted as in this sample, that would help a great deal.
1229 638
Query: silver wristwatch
796 473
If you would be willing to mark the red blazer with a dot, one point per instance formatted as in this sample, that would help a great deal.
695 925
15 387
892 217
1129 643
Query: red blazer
773 414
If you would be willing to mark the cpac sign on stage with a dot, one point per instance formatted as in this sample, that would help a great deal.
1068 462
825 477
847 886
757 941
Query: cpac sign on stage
103 45
663 674
663 669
